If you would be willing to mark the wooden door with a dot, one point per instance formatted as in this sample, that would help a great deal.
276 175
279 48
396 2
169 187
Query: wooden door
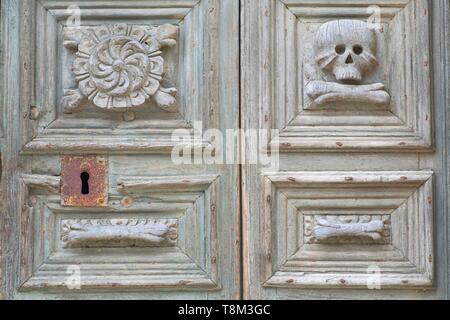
93 203
341 180
357 91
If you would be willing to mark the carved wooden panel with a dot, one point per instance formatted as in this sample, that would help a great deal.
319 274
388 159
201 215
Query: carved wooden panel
327 229
338 84
160 240
119 66
129 75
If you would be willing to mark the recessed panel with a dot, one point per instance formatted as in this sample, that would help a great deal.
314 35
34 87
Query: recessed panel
344 79
165 243
127 75
332 229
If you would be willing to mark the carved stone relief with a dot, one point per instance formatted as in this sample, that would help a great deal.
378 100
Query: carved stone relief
119 66
346 49
347 229
118 233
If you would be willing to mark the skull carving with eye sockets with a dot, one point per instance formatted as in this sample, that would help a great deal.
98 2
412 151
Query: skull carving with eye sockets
346 48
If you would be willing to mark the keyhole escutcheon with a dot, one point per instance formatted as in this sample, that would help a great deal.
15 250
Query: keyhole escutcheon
84 181
84 176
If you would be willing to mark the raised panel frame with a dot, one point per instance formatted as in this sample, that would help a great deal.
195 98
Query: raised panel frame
405 197
187 264
406 126
54 131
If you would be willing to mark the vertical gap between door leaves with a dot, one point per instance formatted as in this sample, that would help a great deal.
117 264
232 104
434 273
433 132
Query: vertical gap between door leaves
240 172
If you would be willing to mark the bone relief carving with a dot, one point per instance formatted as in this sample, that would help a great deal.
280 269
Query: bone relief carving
345 49
119 66
347 229
118 233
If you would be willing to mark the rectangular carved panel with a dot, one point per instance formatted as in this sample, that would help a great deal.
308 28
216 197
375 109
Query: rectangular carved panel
118 233
340 82
150 227
125 75
331 227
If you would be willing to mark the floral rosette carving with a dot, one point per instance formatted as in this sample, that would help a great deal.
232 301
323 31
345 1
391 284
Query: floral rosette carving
119 67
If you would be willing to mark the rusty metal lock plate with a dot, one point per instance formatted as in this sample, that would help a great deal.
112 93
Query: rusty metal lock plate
84 181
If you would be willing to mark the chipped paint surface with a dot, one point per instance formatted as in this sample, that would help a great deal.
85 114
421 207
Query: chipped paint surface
71 183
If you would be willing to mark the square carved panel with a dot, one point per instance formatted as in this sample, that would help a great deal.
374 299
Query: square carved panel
125 78
349 76
334 229
156 233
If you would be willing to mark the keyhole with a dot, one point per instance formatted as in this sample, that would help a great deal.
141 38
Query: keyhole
84 183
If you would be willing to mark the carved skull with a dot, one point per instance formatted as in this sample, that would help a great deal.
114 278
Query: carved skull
346 48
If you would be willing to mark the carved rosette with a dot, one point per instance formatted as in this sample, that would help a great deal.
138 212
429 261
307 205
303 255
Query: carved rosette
118 67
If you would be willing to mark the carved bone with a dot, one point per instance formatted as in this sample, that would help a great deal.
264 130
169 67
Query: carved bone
324 93
325 230
117 233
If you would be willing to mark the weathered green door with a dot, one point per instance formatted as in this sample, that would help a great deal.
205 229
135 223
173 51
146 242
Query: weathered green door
224 149
358 91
